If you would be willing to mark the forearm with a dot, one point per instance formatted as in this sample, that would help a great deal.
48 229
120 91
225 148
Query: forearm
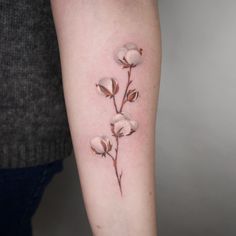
117 178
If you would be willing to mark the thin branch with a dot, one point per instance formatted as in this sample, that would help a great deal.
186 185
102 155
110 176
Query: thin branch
117 147
109 154
126 89
118 176
114 160
115 105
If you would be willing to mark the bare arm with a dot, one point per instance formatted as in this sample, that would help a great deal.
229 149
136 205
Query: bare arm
110 54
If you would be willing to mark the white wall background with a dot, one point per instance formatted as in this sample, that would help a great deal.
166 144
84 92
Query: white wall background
196 143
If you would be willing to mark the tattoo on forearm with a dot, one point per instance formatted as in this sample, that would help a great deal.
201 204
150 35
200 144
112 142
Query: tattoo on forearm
128 57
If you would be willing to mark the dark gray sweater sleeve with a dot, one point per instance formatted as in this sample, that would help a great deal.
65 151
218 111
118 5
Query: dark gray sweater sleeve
33 122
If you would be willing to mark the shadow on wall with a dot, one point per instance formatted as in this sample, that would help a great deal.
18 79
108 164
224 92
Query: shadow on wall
62 211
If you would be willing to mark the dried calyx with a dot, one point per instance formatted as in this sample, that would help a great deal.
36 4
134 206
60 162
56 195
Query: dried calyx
132 95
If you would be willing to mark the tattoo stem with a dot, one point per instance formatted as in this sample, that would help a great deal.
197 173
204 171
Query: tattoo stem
114 101
110 155
126 89
118 176
114 160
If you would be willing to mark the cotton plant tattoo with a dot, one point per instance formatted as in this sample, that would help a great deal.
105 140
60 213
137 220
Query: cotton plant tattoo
128 57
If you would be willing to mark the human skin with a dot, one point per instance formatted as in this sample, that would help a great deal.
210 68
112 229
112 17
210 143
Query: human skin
89 33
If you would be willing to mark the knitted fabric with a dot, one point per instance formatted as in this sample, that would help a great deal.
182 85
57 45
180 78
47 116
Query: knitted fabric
34 128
